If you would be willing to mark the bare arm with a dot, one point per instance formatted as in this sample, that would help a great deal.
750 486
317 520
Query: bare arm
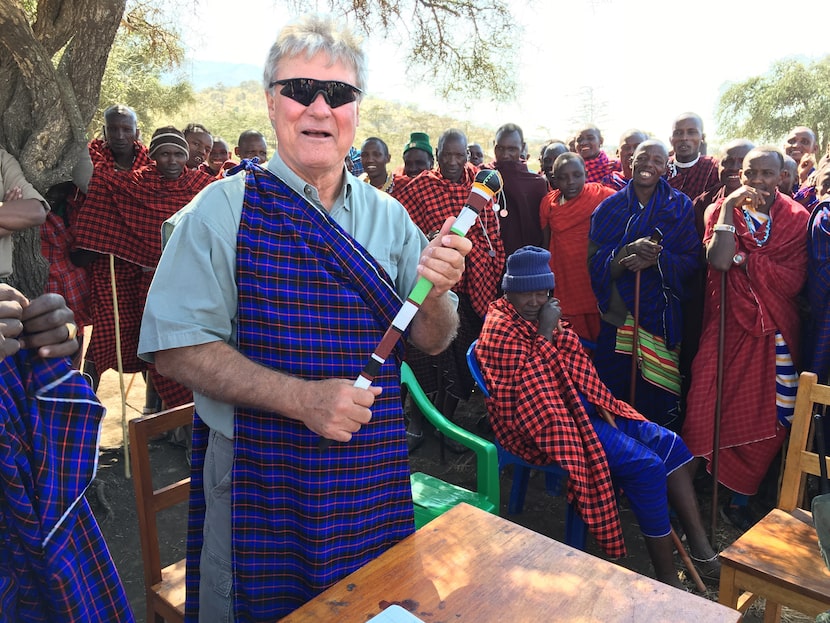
332 408
721 248
17 213
442 262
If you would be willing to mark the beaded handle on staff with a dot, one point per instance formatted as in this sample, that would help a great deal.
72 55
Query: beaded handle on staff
487 183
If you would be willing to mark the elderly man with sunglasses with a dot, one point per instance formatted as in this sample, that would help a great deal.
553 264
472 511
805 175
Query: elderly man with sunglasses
274 289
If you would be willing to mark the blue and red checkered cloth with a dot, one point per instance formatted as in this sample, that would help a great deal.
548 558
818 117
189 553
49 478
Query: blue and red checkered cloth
54 563
312 304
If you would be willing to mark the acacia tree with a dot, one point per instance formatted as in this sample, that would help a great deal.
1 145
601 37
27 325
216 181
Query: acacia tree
766 107
57 51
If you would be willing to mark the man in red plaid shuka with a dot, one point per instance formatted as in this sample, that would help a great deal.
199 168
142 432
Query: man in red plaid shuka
689 171
430 198
547 405
122 216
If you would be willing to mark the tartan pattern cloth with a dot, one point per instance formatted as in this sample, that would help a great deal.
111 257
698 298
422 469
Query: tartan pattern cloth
694 180
102 157
54 563
430 198
72 282
818 290
759 301
123 211
596 169
122 215
569 225
312 304
536 411
619 220
132 283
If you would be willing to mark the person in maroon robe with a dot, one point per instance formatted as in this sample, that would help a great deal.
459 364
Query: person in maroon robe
690 171
757 236
523 191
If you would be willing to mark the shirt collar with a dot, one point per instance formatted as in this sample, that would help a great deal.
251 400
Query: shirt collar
277 166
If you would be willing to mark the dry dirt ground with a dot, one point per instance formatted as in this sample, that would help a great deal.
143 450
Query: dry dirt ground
113 500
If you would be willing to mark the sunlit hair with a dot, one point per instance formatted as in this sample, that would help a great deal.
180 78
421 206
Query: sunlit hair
313 34
508 128
451 135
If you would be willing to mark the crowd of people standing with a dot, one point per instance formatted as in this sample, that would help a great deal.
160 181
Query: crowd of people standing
229 278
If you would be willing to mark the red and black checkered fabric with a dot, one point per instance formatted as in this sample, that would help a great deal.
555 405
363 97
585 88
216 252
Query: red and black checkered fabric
102 157
695 180
430 198
70 281
123 211
122 215
536 411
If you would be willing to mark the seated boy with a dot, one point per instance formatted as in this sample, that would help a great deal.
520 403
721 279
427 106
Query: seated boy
547 404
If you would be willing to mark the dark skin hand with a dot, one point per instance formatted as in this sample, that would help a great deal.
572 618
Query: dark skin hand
549 321
38 324
549 316
642 253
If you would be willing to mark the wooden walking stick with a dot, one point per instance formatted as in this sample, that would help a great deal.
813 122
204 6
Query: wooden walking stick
656 238
718 407
124 435
635 335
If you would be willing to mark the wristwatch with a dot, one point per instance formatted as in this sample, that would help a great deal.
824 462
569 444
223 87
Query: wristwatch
739 258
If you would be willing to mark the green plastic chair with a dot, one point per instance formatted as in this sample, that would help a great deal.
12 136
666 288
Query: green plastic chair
433 496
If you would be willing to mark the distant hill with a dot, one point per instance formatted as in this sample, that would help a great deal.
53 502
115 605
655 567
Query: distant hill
208 74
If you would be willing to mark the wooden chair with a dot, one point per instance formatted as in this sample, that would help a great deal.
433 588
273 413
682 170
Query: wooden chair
164 588
778 559
556 478
433 496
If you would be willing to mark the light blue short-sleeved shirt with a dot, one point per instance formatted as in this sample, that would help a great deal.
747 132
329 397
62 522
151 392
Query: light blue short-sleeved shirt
193 297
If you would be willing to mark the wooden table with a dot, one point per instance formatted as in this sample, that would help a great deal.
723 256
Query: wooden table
469 565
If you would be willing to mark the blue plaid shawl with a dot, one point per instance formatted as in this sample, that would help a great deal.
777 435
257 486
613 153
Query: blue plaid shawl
818 289
619 220
313 304
54 563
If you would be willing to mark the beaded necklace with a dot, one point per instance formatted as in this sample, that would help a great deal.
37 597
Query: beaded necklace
759 225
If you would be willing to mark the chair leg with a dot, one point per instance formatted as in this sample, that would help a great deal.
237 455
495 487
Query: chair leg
576 532
728 592
772 612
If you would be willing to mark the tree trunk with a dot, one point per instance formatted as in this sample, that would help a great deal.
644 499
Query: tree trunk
51 76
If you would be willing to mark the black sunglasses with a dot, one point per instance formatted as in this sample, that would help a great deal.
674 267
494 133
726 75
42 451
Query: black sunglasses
305 90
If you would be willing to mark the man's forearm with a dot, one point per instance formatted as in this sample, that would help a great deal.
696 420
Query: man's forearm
435 325
333 408
21 214
219 371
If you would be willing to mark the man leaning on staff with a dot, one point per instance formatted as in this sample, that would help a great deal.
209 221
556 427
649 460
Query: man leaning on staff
275 286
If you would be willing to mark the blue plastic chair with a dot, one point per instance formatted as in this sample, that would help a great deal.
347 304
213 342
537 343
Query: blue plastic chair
576 532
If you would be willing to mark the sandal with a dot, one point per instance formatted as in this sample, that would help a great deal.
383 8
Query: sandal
414 440
708 569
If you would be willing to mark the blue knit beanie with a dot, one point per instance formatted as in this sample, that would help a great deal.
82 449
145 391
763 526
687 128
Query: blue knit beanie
528 270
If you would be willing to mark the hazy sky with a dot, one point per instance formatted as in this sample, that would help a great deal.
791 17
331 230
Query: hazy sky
646 60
